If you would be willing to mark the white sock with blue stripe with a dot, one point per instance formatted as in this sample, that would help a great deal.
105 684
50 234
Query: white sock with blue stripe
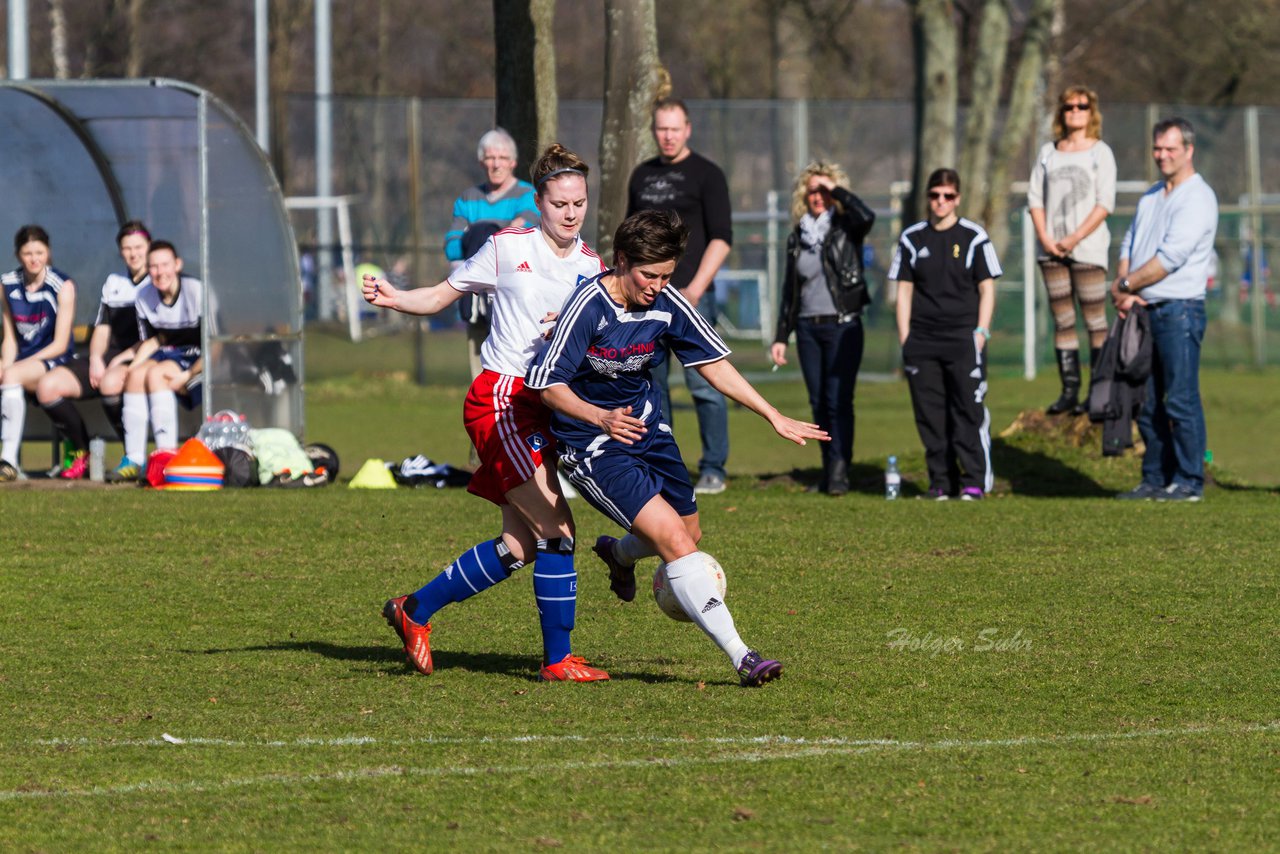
697 594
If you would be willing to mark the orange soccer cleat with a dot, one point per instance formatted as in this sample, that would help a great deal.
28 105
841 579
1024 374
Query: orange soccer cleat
572 668
417 647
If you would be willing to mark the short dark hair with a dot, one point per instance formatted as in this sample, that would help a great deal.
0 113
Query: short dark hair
943 178
1184 127
157 245
650 237
133 226
28 233
668 104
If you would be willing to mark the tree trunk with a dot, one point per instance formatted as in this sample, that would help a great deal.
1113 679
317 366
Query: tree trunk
524 72
135 59
988 73
792 49
937 59
631 74
58 38
1027 92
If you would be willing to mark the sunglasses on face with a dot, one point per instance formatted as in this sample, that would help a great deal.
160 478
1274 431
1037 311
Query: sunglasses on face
1075 108
943 197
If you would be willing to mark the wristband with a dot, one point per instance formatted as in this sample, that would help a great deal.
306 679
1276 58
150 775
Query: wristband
983 331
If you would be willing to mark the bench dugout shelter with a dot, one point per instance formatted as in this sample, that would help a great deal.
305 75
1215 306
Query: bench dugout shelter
81 157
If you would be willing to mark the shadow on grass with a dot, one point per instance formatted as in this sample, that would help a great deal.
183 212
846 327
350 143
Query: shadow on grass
519 666
1039 474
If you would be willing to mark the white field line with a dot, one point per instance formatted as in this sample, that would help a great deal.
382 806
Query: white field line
794 748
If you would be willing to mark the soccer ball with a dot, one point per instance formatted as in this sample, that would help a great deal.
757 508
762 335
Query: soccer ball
667 600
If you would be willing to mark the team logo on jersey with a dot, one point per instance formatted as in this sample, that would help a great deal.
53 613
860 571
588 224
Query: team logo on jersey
535 441
524 267
581 279
612 361
955 250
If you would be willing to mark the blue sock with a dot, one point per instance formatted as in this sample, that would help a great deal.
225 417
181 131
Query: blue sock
477 569
555 586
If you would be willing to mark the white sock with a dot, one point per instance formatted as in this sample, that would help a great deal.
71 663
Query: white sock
13 414
164 419
695 591
630 549
135 426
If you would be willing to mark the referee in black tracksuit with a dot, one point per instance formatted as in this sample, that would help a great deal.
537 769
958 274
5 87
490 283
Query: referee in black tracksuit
946 269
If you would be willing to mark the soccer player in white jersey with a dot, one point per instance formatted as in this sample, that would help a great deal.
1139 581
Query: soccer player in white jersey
166 361
529 272
111 345
613 435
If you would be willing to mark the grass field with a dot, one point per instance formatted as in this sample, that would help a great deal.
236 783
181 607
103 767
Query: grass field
1048 669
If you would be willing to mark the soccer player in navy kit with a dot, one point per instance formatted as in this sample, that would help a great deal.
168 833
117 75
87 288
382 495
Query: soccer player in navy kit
529 272
39 307
614 441
946 269
111 346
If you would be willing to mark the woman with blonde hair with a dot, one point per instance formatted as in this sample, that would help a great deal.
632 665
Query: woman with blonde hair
823 294
1072 190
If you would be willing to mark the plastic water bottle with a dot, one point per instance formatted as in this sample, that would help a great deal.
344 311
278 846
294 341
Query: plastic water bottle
97 451
892 480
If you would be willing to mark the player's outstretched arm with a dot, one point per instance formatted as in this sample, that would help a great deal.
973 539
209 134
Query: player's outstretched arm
421 301
617 424
724 377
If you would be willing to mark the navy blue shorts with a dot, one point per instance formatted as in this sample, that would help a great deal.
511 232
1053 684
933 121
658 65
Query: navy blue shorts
184 356
619 482
58 361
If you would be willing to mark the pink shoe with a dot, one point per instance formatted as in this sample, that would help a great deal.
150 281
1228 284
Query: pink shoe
78 468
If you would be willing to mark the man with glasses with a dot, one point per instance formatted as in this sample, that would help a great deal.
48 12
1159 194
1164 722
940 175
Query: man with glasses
946 269
1165 260
501 200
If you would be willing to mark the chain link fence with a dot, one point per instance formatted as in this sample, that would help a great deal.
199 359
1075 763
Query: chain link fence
403 161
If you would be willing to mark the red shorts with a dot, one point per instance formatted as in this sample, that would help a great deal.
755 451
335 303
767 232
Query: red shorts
511 429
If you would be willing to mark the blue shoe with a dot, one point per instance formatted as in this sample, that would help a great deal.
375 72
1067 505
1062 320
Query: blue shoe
754 671
1178 492
1142 492
126 471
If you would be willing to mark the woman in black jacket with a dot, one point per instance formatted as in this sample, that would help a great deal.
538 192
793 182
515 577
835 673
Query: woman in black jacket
823 294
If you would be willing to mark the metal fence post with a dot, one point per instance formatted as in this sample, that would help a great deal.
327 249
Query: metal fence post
1257 298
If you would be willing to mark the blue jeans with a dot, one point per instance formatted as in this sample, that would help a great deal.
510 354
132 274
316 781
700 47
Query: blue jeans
1172 419
709 405
830 355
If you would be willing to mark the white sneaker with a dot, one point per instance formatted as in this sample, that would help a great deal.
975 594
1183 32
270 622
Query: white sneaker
709 483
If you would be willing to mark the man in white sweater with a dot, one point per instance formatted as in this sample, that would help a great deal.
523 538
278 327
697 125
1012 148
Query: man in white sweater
1165 260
